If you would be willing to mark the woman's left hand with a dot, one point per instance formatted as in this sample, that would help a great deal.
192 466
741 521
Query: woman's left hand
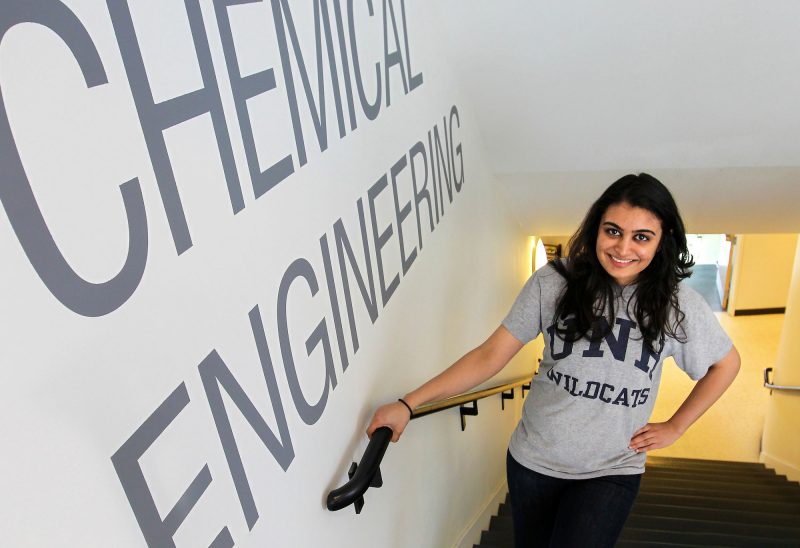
654 435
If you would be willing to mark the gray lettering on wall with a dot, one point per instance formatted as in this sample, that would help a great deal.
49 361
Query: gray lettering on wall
348 85
421 192
244 88
442 159
414 80
433 179
458 181
80 296
368 295
310 413
400 215
334 300
371 110
215 374
158 532
395 57
380 240
155 118
223 540
283 18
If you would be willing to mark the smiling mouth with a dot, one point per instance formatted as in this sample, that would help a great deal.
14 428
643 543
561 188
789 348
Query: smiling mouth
621 261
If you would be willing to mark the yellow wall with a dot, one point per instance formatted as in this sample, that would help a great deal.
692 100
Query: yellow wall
762 271
781 448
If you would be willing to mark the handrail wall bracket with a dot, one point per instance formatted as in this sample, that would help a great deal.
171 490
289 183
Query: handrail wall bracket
471 410
768 383
506 396
377 481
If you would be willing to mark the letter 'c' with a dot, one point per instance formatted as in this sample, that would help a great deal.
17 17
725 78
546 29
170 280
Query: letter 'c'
80 296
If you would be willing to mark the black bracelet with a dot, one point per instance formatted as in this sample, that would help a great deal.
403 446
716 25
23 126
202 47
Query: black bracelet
404 402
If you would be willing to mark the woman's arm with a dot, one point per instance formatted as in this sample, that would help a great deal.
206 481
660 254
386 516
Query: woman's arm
707 390
470 370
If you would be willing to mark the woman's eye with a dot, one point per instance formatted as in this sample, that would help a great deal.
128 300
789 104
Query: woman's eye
642 238
612 232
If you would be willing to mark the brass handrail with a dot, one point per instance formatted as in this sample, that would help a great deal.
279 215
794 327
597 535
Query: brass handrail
367 473
454 401
768 384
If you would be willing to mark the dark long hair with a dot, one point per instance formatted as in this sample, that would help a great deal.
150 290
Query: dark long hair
590 291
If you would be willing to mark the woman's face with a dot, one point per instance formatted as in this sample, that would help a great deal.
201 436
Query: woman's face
627 240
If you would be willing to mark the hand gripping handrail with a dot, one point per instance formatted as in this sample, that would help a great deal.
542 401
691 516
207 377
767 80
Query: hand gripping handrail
363 475
367 473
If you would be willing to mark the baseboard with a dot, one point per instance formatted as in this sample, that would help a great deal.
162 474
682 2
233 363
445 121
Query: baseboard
791 471
758 311
471 534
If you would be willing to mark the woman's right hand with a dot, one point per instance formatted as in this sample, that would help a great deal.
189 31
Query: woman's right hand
394 415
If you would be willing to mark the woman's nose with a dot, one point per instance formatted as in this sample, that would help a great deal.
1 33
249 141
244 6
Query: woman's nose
623 246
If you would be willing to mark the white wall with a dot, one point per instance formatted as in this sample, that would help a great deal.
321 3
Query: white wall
82 379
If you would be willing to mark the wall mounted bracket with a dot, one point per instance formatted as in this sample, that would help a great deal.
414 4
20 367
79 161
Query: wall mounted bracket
506 396
471 410
377 481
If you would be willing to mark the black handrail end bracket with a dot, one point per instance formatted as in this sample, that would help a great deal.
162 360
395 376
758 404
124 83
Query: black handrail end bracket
365 474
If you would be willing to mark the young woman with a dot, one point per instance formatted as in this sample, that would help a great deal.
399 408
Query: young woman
610 313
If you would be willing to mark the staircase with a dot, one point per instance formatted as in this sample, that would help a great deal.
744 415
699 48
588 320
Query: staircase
690 502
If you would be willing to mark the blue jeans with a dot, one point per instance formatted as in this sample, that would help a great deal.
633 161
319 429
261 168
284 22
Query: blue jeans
563 513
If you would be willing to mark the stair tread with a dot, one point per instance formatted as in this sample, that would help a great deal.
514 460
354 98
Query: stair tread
728 504
655 544
634 533
711 526
691 503
748 478
777 487
656 459
715 514
790 500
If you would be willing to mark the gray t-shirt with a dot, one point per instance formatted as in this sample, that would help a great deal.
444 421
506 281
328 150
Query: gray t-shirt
589 398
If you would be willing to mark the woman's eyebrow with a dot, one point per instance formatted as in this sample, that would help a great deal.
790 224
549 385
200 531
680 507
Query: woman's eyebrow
637 231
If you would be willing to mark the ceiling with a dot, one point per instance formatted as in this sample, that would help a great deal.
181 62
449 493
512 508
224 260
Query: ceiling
570 95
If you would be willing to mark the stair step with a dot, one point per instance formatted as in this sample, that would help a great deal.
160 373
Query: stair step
789 498
733 488
746 477
720 503
655 544
715 514
705 526
494 538
724 475
656 459
501 523
692 503
699 464
632 534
